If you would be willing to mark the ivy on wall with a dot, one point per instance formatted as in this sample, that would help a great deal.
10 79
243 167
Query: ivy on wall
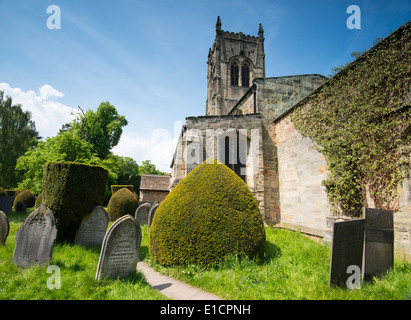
359 120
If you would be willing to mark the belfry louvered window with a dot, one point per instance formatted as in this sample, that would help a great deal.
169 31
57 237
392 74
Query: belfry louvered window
234 73
245 75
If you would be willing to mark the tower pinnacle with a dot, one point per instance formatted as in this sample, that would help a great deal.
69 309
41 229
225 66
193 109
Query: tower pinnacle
260 30
218 24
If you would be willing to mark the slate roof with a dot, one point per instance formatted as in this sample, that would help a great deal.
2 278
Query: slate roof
155 182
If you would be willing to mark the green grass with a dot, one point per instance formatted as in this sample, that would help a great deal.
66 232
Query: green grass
78 267
294 267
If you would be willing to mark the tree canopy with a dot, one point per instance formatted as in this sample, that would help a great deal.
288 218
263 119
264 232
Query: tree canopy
102 129
17 134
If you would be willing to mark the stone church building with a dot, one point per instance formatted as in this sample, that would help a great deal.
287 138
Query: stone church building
247 126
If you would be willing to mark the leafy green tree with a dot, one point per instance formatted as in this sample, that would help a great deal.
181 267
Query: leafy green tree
17 134
148 168
102 129
66 146
128 171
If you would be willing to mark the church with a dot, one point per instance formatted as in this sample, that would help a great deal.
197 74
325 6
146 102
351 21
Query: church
247 127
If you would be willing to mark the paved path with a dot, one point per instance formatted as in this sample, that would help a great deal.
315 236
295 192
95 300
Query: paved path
173 288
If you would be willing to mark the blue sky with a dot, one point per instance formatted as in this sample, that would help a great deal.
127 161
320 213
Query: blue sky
148 58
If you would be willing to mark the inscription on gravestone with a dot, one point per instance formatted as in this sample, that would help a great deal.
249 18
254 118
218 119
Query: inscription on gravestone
379 242
142 212
4 227
347 250
93 228
35 238
151 215
120 250
6 203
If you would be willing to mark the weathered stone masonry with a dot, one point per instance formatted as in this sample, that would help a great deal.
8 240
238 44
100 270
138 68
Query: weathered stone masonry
283 169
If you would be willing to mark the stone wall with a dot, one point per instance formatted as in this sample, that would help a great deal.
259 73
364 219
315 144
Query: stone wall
153 195
203 137
301 169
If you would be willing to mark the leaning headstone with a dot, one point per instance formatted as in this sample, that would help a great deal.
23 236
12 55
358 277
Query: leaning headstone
6 203
20 207
151 215
346 251
379 242
142 212
4 227
120 250
35 238
93 228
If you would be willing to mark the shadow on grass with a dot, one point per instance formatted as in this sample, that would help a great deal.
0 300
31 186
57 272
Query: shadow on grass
272 252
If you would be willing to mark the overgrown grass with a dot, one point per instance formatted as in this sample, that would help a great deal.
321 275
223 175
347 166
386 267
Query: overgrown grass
78 267
294 267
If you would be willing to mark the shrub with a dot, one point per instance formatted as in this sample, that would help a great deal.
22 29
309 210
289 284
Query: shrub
25 196
71 190
2 192
122 202
115 188
210 214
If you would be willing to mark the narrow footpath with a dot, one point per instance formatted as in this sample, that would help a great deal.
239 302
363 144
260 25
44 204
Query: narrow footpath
173 288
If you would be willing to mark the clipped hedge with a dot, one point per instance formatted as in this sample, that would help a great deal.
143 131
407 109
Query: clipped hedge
12 192
122 202
210 214
25 196
71 190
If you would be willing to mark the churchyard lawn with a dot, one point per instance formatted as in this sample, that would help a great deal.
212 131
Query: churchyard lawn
294 267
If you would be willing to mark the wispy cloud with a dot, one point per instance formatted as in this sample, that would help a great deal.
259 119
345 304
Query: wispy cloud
48 114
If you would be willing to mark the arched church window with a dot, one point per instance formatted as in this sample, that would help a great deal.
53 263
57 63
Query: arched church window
234 73
245 75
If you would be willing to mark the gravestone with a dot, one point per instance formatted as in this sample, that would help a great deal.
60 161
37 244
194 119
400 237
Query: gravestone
142 212
151 215
379 242
4 227
120 250
346 250
35 238
6 203
93 228
20 207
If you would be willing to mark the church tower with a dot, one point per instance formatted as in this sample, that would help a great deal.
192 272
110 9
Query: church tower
233 62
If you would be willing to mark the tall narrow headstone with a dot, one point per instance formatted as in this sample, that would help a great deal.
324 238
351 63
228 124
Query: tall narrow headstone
20 207
346 251
35 238
93 228
6 203
151 215
120 250
4 227
379 242
142 212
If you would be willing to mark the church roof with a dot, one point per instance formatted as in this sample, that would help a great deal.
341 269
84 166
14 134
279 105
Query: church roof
155 182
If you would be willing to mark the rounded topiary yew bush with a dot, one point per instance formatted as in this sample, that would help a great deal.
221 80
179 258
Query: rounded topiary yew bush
210 214
25 196
122 202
